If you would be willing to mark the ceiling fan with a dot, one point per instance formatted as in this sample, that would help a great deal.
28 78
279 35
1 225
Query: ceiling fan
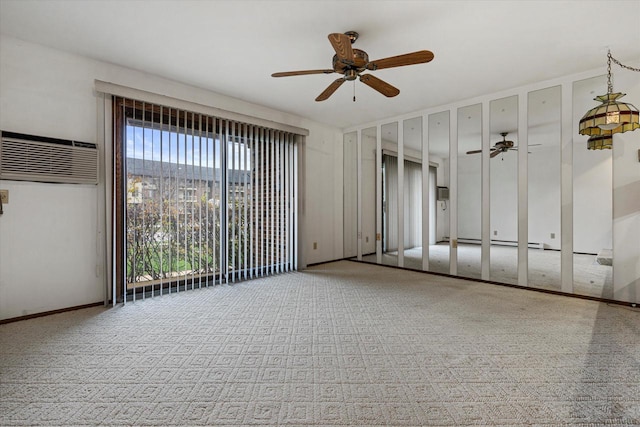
501 146
351 63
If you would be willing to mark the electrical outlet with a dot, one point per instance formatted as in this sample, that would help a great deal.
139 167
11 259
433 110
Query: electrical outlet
315 245
366 239
553 235
4 196
495 232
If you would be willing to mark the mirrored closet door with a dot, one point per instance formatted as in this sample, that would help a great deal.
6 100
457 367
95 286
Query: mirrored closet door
368 199
439 192
390 195
470 191
592 201
413 223
503 167
350 195
544 134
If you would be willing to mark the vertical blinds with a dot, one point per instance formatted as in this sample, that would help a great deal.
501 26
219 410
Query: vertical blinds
207 200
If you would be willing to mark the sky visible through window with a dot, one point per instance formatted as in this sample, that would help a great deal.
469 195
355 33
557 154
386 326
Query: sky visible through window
184 149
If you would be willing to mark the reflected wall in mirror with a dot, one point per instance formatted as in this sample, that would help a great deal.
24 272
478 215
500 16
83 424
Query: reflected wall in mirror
390 193
368 187
503 167
544 160
592 203
412 139
438 191
350 195
470 191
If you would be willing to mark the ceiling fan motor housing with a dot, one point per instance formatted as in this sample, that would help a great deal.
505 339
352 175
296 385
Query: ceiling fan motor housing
360 60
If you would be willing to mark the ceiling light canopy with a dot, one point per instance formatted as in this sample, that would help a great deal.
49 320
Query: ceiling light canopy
611 116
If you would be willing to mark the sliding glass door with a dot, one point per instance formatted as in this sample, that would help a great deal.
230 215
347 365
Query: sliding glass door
202 200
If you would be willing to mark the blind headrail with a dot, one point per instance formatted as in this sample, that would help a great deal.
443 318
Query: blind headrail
154 98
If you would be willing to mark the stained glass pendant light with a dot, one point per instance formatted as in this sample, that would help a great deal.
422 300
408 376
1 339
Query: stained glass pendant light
611 116
600 142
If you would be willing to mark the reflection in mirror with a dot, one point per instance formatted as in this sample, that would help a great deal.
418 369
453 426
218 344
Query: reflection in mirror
412 136
368 137
503 167
439 192
390 193
544 159
470 191
350 201
592 203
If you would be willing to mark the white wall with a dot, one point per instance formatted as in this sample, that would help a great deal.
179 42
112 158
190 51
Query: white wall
49 234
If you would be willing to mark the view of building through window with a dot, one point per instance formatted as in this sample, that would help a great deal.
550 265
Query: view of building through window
207 200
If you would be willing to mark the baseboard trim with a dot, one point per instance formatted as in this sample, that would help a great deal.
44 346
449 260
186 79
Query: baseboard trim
48 313
328 262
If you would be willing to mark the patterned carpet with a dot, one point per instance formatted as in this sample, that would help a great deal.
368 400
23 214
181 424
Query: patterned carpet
338 344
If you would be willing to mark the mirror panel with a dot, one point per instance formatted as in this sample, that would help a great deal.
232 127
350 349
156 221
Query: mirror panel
412 139
350 195
368 188
503 167
544 160
470 191
439 200
390 193
592 202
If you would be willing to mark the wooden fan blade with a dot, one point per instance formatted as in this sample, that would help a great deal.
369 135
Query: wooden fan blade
301 73
381 86
342 45
418 57
329 90
474 152
495 153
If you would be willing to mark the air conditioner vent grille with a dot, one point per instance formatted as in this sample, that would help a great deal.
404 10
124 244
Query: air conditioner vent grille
31 158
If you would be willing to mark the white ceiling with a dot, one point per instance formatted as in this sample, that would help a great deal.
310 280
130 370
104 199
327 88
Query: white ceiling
232 47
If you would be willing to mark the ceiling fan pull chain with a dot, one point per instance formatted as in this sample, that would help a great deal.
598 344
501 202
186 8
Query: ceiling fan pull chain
354 91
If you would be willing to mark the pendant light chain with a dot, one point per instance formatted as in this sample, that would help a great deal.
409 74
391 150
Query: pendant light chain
622 65
609 85
609 59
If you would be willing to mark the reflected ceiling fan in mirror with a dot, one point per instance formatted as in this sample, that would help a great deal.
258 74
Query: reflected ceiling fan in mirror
351 63
501 146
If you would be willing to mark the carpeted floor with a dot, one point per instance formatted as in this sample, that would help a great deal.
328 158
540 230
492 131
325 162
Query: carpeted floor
338 344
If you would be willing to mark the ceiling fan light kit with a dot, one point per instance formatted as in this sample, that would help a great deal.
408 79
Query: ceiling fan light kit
351 63
611 116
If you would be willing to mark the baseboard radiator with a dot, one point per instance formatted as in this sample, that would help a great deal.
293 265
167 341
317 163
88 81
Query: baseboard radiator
532 245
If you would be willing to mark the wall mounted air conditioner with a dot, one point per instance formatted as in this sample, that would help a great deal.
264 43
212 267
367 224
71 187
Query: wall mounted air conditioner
43 159
442 193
